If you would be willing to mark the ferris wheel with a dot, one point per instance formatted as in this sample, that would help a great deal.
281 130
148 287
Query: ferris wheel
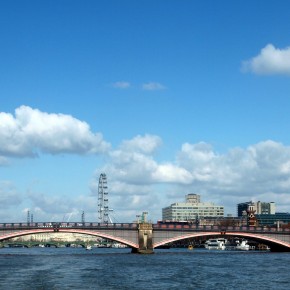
103 199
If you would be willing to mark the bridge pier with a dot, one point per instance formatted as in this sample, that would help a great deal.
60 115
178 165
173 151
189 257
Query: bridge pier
145 239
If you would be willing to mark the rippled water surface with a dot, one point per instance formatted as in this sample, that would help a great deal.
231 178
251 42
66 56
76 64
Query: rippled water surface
76 268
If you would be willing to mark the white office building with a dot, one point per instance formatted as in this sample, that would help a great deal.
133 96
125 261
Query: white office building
191 209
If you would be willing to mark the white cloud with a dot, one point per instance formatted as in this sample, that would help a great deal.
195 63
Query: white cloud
271 60
238 175
31 131
170 173
133 163
3 161
137 179
146 144
121 85
8 195
61 207
131 167
153 86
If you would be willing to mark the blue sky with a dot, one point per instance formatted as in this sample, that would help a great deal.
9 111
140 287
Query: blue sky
165 97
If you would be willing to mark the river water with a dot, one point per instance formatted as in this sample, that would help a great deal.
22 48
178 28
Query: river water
76 268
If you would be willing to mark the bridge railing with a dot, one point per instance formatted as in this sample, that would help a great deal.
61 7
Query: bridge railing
176 226
158 226
67 225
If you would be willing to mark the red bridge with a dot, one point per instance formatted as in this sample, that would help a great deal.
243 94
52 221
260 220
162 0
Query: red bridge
144 237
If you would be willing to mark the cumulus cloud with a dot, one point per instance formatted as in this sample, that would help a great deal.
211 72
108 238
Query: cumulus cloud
153 86
171 173
131 167
8 195
51 204
31 131
138 180
3 161
238 175
146 144
61 207
271 60
133 163
121 85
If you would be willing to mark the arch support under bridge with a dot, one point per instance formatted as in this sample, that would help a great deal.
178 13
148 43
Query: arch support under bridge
145 240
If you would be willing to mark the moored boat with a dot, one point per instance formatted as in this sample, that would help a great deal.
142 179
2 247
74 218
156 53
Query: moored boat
215 244
243 246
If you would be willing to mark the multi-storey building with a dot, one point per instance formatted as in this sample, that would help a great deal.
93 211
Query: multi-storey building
278 219
191 209
259 207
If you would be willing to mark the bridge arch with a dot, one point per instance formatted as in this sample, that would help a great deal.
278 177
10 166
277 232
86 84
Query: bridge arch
68 230
275 244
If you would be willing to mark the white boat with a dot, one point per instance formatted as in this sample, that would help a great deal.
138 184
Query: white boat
118 245
88 247
215 244
239 245
243 246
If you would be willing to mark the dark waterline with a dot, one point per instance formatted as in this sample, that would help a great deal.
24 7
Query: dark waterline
76 268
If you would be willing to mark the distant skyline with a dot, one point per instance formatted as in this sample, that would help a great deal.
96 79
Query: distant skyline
165 97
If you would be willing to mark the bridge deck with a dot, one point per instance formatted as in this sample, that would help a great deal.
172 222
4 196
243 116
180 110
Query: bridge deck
129 233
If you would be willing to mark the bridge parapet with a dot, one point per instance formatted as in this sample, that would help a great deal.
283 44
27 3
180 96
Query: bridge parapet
66 225
194 227
141 226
